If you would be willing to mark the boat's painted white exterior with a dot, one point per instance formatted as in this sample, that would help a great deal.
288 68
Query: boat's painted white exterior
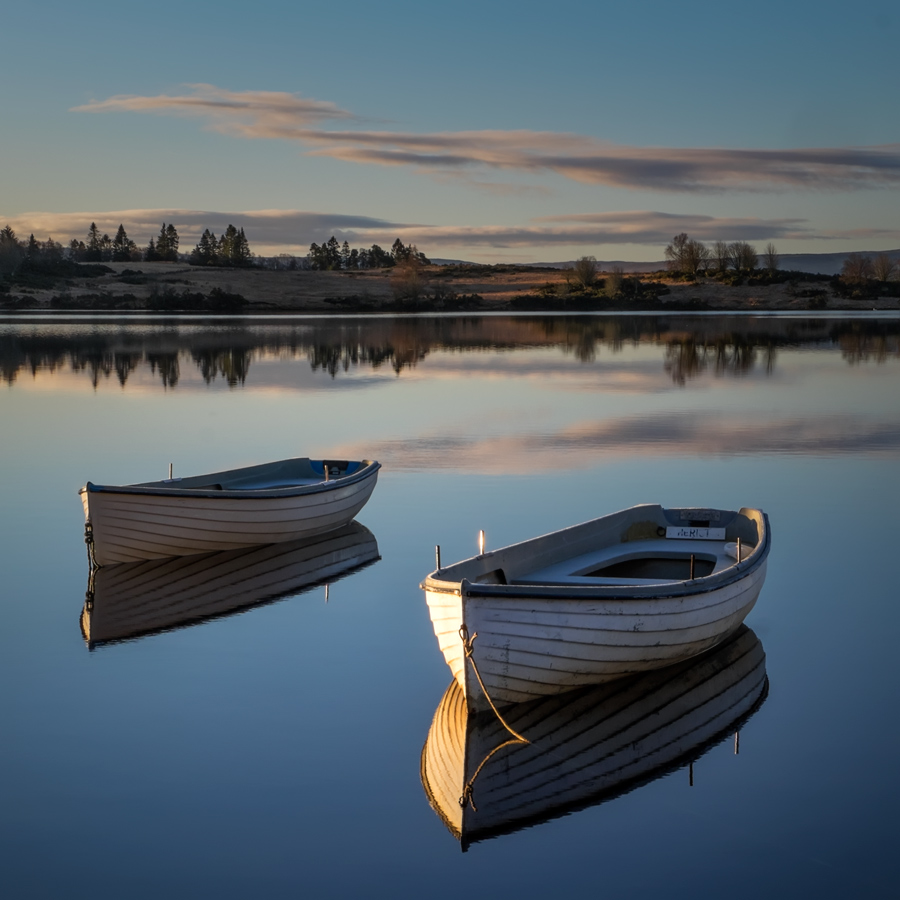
132 599
266 504
587 746
546 622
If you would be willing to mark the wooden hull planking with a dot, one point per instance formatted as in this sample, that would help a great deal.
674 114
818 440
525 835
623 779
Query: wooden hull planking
536 640
131 526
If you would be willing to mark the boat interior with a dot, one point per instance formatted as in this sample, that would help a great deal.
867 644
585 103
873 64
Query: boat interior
643 562
645 545
269 476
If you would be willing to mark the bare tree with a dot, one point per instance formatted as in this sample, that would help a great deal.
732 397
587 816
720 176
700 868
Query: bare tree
857 268
408 281
613 283
697 256
720 256
675 253
883 266
743 256
583 273
770 258
686 256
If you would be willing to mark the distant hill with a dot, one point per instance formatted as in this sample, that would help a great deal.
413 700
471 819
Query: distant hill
816 263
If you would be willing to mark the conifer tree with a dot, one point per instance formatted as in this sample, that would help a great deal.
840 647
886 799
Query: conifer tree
122 246
94 249
162 243
10 251
171 243
206 251
242 255
227 246
333 251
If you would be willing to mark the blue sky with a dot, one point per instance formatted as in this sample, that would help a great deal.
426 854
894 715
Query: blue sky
494 131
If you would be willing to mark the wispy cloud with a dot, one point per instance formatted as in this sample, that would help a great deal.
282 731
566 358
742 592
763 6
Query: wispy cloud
273 231
630 227
248 113
285 116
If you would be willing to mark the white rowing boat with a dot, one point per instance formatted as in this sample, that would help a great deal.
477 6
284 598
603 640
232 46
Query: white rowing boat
633 591
265 504
130 600
588 746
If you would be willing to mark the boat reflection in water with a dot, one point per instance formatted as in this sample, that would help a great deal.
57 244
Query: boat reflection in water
134 599
586 746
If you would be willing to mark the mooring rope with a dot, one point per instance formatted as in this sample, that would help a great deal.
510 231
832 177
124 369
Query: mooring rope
89 540
468 647
466 798
89 593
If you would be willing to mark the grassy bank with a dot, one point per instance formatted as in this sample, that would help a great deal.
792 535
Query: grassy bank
176 288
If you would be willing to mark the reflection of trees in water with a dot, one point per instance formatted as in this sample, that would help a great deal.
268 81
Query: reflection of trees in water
335 358
584 339
125 364
232 364
691 346
167 366
687 358
856 348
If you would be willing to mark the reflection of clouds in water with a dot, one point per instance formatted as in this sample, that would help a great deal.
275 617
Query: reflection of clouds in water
662 434
620 373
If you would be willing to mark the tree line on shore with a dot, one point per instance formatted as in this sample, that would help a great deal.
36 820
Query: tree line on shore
331 256
688 258
231 249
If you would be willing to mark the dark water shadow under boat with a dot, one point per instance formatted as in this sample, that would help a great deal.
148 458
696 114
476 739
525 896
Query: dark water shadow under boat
587 746
132 600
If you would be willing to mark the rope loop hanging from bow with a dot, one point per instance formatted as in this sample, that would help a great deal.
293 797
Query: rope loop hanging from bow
469 649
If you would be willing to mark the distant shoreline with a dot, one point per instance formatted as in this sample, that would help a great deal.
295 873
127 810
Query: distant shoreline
159 289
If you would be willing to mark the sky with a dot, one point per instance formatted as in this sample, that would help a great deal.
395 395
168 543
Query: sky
489 131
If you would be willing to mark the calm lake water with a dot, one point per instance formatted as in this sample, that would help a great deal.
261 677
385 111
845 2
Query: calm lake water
275 752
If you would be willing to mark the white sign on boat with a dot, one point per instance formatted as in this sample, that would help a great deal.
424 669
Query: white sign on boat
687 532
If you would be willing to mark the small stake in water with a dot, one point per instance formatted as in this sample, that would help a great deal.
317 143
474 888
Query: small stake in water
739 549
481 542
737 743
326 593
437 556
170 471
692 567
691 771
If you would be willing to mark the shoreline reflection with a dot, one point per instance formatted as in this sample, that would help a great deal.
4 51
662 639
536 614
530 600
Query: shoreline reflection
729 346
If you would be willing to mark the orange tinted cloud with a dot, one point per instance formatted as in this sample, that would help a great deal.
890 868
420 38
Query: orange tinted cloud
285 116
